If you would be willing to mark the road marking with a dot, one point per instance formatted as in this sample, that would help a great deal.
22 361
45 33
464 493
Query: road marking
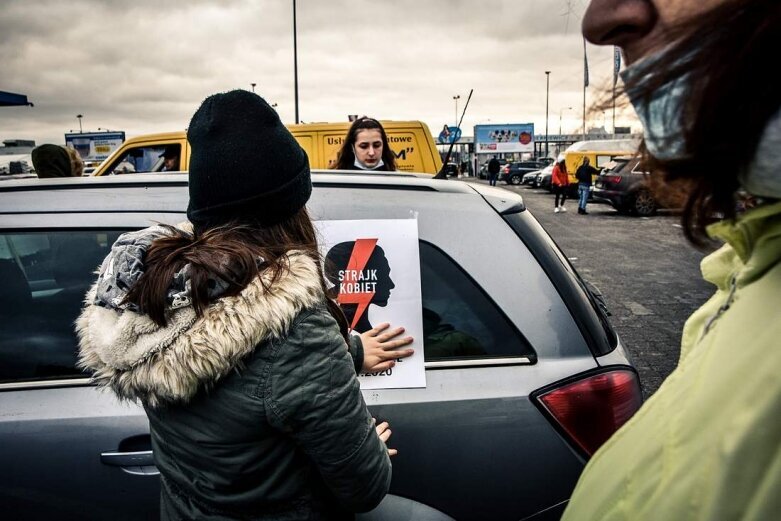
638 309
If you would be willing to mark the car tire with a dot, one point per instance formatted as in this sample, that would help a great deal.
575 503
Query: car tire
515 179
643 203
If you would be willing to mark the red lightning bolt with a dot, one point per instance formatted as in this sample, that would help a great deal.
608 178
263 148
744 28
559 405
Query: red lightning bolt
359 257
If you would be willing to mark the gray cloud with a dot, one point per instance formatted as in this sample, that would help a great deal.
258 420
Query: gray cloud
144 66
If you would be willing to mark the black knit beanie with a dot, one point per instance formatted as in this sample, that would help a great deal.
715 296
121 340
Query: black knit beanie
51 161
244 164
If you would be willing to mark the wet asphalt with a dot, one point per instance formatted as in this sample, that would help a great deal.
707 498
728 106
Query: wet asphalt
648 274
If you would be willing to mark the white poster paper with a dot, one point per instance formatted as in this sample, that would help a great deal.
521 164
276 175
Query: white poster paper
375 265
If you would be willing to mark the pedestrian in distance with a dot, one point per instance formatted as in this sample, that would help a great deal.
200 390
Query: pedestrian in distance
707 444
493 170
560 185
366 148
584 174
222 329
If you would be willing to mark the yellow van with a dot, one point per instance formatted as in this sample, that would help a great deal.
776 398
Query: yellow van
411 142
599 152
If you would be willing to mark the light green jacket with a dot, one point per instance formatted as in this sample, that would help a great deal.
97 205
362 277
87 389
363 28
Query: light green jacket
707 445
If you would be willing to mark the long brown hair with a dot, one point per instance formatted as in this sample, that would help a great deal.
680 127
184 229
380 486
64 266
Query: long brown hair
345 160
724 54
231 253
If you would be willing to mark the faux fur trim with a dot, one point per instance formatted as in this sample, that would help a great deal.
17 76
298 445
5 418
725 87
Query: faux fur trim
137 359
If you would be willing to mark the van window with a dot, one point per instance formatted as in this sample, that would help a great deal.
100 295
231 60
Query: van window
459 320
139 160
45 276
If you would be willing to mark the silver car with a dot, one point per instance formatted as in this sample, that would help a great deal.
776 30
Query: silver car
525 376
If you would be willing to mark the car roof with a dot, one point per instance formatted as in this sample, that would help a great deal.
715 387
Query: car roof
604 145
85 194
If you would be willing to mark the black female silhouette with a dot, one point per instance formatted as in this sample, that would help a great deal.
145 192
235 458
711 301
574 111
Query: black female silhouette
358 285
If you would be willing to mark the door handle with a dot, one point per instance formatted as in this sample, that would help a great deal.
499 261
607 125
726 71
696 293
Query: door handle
140 463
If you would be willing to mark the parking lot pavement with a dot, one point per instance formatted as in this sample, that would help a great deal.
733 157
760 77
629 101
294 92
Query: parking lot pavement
648 274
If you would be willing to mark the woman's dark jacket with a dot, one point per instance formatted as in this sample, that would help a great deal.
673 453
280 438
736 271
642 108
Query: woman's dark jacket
255 409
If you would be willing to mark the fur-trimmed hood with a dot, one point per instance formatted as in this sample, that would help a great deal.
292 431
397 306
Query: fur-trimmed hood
138 359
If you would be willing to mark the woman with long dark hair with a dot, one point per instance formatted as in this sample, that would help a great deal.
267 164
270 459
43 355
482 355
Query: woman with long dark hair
366 148
706 445
222 329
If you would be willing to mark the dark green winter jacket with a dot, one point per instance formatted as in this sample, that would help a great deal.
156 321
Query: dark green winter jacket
255 409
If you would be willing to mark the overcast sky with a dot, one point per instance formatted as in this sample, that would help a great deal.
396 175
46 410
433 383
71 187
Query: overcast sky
145 66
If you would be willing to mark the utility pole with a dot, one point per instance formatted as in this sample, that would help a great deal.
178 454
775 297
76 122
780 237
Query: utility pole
253 86
547 92
295 60
456 98
585 84
79 116
561 112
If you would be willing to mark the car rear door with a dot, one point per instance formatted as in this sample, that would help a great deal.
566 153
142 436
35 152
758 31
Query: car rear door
472 443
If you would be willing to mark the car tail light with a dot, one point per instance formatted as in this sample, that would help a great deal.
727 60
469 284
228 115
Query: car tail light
506 169
612 179
591 409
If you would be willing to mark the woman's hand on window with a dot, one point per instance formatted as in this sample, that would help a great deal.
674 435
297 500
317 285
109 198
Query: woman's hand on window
381 348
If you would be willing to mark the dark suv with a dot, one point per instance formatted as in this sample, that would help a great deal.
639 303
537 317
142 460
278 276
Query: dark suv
512 173
624 186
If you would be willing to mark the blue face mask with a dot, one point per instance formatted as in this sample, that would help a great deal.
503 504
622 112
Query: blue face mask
663 126
762 178
661 115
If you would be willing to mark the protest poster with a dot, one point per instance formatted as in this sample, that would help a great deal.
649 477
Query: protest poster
374 268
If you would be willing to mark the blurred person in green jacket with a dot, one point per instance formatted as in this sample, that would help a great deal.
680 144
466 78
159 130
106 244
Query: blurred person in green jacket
707 445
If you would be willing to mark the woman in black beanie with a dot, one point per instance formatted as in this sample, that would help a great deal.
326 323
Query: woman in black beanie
223 330
366 148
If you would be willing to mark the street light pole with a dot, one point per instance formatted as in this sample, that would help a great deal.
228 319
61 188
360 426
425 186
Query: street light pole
295 60
79 116
560 114
547 91
253 86
456 98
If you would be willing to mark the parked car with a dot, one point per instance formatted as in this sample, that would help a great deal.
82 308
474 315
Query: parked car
544 160
525 376
529 177
624 185
16 166
543 179
482 172
451 170
512 173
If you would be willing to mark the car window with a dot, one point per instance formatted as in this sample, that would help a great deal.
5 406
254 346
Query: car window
637 168
44 276
603 160
459 320
140 160
615 166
